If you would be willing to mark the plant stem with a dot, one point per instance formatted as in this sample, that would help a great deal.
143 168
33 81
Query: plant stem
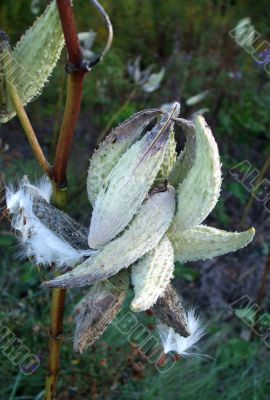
263 171
27 127
71 114
261 293
67 130
77 69
56 336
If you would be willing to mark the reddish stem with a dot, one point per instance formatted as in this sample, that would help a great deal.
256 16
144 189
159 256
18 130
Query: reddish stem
67 131
70 31
71 114
74 92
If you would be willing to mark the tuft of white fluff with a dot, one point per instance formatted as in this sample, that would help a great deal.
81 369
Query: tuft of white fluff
184 346
38 241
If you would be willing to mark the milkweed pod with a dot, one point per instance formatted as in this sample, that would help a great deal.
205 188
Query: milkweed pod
34 58
129 182
143 234
204 242
98 309
170 310
197 195
113 147
151 275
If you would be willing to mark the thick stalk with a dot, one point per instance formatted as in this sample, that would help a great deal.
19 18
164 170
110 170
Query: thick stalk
71 114
56 336
67 130
77 69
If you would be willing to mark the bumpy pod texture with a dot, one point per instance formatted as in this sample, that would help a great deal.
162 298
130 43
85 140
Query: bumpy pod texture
143 234
34 58
98 308
198 193
113 147
128 183
151 275
204 242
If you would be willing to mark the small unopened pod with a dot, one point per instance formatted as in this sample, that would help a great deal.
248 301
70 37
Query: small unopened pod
128 183
198 193
113 147
143 234
151 275
28 67
98 309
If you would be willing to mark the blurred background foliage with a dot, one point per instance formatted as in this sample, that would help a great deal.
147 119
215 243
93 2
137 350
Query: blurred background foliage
191 40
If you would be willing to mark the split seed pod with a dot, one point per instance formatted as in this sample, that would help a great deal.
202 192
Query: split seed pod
129 182
30 64
151 275
143 234
113 147
98 309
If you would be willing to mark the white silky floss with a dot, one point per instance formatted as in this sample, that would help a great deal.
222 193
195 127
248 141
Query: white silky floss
184 346
38 241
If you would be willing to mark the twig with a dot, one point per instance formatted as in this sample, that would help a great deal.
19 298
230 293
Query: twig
109 124
28 129
262 173
261 293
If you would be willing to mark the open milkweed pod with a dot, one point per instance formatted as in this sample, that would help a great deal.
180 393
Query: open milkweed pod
184 346
113 147
129 182
142 235
170 310
28 67
151 275
198 193
98 309
61 223
204 242
36 223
